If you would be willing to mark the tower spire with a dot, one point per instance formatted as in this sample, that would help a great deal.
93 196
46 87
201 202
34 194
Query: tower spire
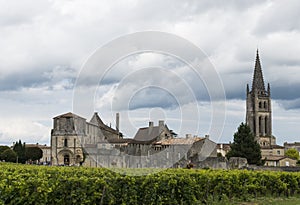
258 79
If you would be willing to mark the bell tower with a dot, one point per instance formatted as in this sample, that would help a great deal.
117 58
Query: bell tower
259 108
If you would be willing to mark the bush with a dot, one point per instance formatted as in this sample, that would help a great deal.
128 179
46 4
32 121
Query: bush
8 155
25 184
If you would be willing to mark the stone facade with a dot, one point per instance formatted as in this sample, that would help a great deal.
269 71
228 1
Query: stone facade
152 146
280 161
70 132
237 163
274 150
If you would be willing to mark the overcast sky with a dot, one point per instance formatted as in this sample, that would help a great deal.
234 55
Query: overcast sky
44 45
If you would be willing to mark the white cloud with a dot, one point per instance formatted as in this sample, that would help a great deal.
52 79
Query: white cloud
45 43
28 131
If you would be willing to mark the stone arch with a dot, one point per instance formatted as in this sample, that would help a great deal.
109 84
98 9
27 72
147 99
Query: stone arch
65 157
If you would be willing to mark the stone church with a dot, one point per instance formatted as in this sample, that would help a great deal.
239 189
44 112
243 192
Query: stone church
71 131
259 108
259 119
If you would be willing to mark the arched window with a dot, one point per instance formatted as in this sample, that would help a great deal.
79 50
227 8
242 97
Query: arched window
265 104
65 142
259 104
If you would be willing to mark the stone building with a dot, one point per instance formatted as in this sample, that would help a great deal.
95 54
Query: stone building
75 141
280 161
294 145
70 132
259 108
273 150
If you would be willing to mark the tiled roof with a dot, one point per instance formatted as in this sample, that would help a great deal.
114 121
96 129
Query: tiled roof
276 158
147 133
179 141
120 140
38 145
96 120
292 144
273 147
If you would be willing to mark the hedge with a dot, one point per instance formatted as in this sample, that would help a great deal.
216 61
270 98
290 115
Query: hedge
30 184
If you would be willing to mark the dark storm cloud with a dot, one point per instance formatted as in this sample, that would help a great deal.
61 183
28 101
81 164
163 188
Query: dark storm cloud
19 80
286 92
290 104
281 89
153 97
62 77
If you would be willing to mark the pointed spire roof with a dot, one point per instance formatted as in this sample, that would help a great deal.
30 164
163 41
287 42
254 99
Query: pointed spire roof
258 79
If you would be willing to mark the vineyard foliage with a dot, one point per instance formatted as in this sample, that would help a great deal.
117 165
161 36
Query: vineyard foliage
28 184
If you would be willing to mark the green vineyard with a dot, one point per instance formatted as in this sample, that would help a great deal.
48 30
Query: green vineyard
24 184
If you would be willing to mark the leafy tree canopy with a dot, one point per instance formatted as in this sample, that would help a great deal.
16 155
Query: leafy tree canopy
33 153
8 155
3 148
244 145
292 153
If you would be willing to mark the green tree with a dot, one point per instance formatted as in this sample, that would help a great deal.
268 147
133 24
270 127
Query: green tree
3 148
33 153
19 148
292 153
8 155
244 145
